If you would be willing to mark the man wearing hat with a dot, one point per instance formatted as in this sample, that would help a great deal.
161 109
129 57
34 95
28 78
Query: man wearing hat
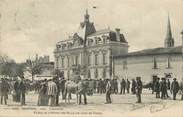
4 91
163 88
157 88
22 91
108 92
174 88
138 89
82 91
57 82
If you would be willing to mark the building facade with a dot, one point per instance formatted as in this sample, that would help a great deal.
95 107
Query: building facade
89 50
163 61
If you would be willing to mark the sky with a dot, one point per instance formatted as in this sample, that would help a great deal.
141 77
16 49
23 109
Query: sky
28 27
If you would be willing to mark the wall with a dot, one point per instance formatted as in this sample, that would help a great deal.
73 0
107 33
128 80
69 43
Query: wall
143 66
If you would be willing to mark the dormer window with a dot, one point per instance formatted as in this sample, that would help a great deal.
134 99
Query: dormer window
90 42
155 63
96 40
63 46
69 45
58 46
168 63
99 39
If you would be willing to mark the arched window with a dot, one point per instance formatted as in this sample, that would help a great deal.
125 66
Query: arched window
89 74
96 59
96 73
104 73
89 59
104 58
62 62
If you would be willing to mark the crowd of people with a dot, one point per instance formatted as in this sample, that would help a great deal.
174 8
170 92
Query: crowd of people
50 90
164 86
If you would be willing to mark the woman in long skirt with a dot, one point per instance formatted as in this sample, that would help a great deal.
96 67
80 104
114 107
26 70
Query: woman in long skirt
43 97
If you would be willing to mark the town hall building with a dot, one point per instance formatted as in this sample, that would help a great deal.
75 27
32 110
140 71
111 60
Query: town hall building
89 52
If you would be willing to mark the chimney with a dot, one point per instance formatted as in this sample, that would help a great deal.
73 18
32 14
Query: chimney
117 34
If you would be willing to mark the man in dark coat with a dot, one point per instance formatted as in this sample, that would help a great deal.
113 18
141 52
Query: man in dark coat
174 88
22 91
100 86
123 86
157 88
17 91
133 86
62 87
163 88
82 91
168 84
127 86
138 89
115 83
4 91
94 86
57 82
168 88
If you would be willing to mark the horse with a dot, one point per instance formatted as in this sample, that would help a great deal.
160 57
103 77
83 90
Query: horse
71 87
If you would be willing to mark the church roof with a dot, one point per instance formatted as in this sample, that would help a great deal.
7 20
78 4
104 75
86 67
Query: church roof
155 51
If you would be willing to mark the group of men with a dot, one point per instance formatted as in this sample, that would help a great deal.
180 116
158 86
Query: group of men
164 86
136 88
18 94
50 90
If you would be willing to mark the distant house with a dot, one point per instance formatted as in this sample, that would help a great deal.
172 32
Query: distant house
46 67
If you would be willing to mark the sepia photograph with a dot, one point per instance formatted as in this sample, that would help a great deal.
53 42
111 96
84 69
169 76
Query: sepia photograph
91 58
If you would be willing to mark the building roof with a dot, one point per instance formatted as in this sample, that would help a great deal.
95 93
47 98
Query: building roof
99 32
155 51
112 35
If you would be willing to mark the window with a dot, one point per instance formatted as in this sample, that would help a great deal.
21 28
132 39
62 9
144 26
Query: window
125 64
76 60
96 59
57 62
104 58
96 40
168 63
89 74
89 59
62 60
90 42
96 73
154 63
68 61
104 73
104 38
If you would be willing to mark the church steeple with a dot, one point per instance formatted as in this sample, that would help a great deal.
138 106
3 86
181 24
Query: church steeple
86 16
169 41
169 32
